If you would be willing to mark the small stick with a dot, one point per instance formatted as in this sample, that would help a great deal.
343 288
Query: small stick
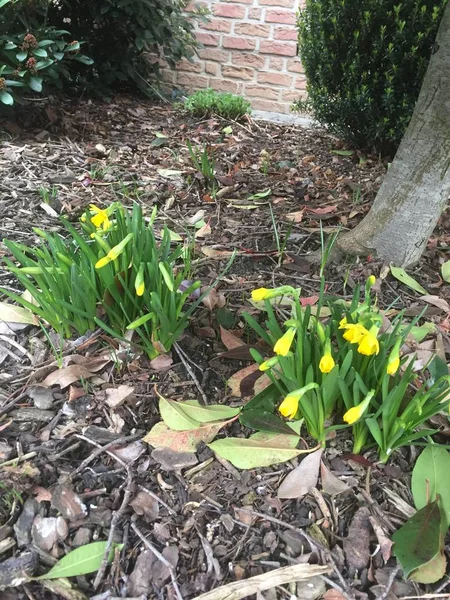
87 461
389 584
161 558
116 517
190 371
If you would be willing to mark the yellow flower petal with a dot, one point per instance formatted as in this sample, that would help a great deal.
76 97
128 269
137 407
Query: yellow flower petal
343 323
140 289
268 364
354 333
393 365
326 363
369 345
259 294
283 345
356 412
103 261
289 406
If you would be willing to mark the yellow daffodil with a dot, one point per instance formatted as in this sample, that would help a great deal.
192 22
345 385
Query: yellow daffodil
369 343
327 361
99 217
356 412
343 323
289 407
139 284
261 294
283 345
394 358
371 280
354 333
269 363
114 252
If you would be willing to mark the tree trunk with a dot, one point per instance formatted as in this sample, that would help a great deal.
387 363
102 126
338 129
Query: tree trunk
417 185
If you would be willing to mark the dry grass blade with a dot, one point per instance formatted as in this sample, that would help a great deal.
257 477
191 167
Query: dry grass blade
241 589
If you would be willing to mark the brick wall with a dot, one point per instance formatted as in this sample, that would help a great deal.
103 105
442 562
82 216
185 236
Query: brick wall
249 48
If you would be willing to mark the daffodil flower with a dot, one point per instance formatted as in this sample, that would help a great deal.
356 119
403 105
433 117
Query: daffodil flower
261 294
327 363
269 363
356 412
394 358
354 333
369 343
99 217
342 323
139 284
289 407
283 345
114 253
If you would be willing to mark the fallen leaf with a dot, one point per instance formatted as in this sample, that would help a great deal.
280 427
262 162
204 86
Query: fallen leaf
161 362
203 231
64 377
436 301
10 313
160 436
385 543
310 301
333 594
170 460
295 217
115 397
406 279
129 453
259 382
169 172
229 340
145 505
213 299
325 210
331 484
357 542
298 482
445 271
216 254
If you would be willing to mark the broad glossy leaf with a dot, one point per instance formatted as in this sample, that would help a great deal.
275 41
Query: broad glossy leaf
209 413
264 421
403 276
160 436
174 417
83 560
431 572
10 313
430 479
418 541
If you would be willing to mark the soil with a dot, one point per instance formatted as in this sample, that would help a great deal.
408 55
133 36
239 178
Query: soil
188 527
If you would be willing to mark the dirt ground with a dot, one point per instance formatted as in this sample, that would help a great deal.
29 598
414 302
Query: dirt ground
189 527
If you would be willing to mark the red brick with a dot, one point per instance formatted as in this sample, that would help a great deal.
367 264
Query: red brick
193 6
192 80
213 54
207 39
282 48
279 107
185 65
229 10
252 29
282 3
225 85
300 82
285 33
238 73
242 1
262 91
275 79
221 25
290 95
211 68
238 43
281 16
293 65
247 59
254 13
277 64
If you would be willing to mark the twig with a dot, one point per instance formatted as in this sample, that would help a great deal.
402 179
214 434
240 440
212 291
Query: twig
11 404
116 517
337 587
389 584
161 558
16 345
87 461
158 499
190 371
19 459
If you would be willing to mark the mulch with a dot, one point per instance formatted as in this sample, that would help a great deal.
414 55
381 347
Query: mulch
74 468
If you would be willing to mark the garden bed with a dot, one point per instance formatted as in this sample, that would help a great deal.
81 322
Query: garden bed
76 451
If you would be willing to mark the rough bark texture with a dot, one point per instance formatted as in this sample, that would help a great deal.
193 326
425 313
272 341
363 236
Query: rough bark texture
417 185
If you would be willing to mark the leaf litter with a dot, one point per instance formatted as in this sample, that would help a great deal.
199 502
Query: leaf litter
92 436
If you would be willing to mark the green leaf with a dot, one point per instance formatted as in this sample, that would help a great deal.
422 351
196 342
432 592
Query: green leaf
266 400
417 542
10 313
343 152
161 436
255 451
84 59
445 271
430 479
174 416
83 560
260 195
40 52
432 571
264 421
9 45
21 56
43 64
3 2
6 98
35 84
403 276
207 414
225 317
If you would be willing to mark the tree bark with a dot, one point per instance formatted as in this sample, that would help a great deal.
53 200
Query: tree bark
417 185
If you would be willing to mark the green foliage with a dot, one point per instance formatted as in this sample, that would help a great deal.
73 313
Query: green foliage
114 274
208 102
81 561
125 38
365 62
33 54
349 368
204 163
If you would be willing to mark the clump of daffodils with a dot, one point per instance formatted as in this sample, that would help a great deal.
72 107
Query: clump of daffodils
342 370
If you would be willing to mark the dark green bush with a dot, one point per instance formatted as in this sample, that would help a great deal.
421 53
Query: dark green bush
32 53
364 62
124 37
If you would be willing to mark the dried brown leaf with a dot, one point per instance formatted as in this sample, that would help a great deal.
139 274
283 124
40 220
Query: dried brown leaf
304 477
67 375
